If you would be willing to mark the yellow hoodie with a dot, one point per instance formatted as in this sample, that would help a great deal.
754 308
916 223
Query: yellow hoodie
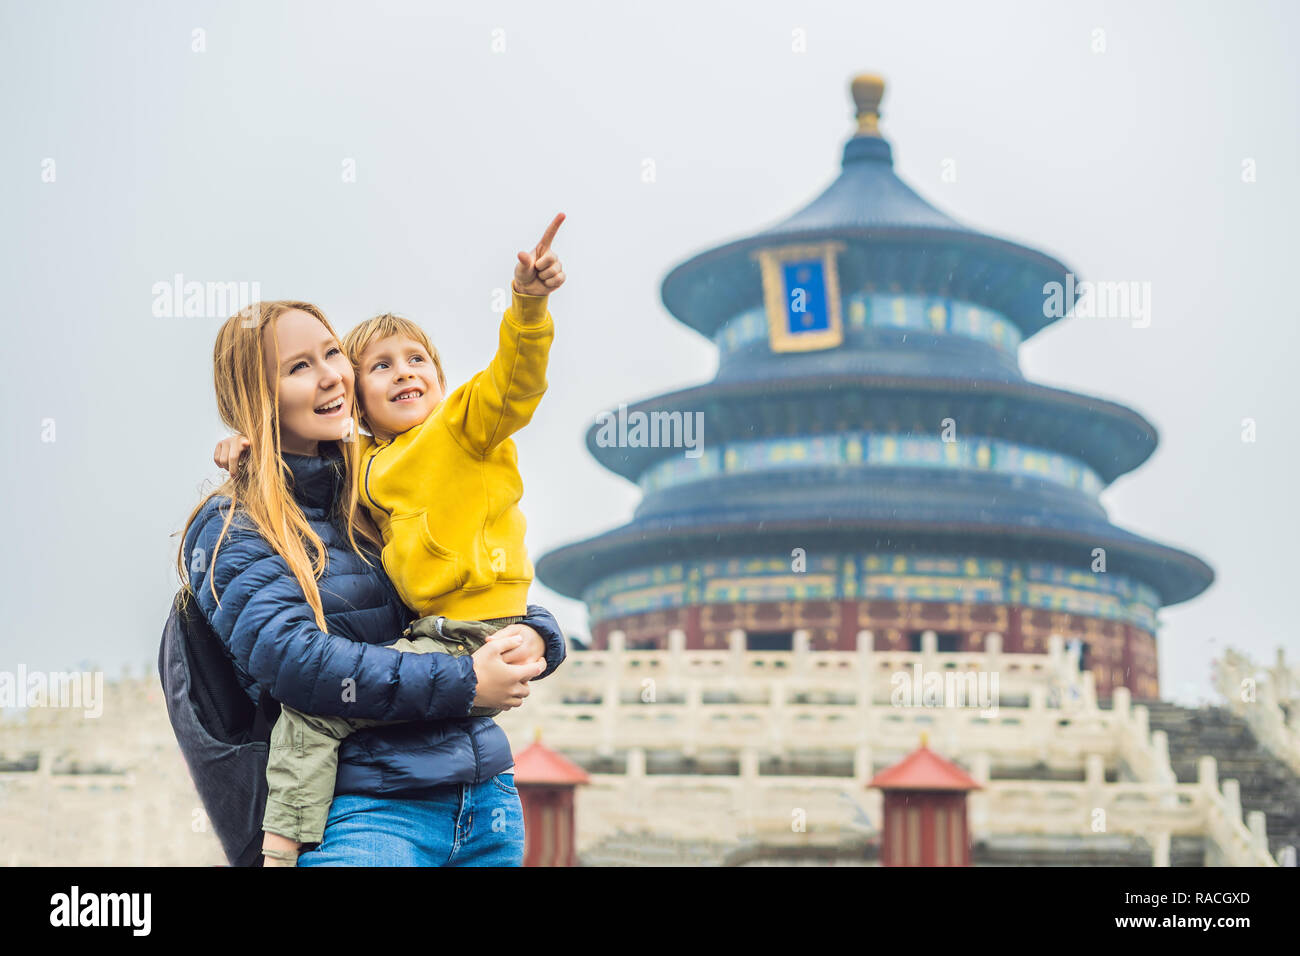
445 494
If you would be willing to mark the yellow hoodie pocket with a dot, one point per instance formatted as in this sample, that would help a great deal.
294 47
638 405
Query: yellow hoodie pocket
420 567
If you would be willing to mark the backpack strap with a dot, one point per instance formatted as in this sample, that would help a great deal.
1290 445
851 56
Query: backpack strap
264 718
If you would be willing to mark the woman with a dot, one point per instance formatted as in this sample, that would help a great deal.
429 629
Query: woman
290 579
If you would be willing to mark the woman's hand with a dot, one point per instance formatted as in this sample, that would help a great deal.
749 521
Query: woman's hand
539 272
229 451
502 685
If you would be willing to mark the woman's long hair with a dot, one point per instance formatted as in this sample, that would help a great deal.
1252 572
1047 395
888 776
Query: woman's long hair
247 402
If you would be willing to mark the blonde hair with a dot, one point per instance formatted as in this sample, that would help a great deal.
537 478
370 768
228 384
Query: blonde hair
247 401
381 327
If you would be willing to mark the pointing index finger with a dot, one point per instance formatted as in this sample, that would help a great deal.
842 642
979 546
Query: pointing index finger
551 230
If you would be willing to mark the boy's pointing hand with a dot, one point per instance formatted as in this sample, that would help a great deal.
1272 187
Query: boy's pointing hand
539 272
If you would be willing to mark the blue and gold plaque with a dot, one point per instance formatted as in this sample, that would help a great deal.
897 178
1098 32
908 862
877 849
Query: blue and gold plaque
802 295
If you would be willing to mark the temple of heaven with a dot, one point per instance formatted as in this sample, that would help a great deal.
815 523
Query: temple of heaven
872 458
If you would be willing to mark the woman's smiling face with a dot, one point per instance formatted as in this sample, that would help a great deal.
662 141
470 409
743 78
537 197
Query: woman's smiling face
315 381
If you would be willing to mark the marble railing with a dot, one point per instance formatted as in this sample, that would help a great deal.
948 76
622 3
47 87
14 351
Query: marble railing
826 811
1256 695
777 702
738 669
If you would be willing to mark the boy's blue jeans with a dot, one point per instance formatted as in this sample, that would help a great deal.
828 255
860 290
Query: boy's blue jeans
460 824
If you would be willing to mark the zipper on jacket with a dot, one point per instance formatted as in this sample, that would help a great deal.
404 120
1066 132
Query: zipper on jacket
373 455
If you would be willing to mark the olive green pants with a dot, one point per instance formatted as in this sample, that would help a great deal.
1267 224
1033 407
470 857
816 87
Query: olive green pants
304 752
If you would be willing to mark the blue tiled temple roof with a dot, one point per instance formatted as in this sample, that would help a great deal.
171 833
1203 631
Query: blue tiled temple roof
1111 438
867 195
896 240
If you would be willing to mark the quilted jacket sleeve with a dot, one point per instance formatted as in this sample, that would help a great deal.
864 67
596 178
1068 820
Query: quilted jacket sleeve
544 623
263 617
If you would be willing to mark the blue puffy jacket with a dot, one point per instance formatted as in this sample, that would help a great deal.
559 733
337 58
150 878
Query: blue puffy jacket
265 621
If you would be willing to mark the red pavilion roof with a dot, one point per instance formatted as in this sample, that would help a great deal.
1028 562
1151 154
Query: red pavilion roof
923 769
539 764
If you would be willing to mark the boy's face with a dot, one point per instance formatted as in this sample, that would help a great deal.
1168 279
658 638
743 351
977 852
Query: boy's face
397 385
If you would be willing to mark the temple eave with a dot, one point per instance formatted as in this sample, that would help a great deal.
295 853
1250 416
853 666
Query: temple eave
1176 575
1111 438
704 290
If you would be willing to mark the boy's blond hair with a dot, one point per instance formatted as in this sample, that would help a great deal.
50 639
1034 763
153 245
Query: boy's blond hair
382 327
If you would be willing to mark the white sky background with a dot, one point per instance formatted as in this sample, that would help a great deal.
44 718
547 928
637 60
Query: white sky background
226 165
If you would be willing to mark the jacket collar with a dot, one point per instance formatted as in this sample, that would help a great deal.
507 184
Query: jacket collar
316 480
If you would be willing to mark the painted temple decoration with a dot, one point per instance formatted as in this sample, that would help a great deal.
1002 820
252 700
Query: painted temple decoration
924 820
869 456
546 782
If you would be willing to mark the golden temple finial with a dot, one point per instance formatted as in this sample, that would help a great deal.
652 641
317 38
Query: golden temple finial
868 89
537 733
925 738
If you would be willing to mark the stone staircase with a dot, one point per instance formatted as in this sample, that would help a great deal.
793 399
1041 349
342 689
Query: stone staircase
651 849
1266 783
1093 850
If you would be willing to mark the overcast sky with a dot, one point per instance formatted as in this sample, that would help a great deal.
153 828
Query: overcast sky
129 156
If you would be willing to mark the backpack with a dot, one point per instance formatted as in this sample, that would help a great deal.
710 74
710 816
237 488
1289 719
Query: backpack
222 734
